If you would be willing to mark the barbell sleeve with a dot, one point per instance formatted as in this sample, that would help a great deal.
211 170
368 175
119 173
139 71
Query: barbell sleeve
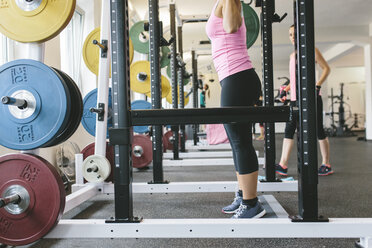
9 199
8 100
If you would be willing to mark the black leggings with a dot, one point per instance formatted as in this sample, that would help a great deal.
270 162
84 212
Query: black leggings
291 126
241 89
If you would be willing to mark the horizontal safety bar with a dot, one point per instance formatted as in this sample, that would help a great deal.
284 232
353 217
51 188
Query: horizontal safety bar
210 115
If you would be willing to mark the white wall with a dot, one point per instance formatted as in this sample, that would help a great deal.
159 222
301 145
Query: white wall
354 92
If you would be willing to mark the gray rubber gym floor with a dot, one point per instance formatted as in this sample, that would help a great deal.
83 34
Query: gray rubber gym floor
346 193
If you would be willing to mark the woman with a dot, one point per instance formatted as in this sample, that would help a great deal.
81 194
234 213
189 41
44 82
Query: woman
290 128
205 91
240 87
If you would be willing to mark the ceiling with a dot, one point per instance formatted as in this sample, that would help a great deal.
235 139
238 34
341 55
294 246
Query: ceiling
336 21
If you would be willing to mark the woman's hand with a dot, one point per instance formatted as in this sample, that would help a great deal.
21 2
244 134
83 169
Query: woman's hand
231 12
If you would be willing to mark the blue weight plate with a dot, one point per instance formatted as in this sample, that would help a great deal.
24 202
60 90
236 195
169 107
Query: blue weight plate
48 104
89 119
137 105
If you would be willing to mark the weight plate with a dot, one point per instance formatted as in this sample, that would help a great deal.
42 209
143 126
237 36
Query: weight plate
89 119
91 51
165 87
75 113
141 151
185 80
169 73
252 24
168 140
164 59
89 150
169 98
43 198
137 105
140 37
48 104
96 168
34 21
140 77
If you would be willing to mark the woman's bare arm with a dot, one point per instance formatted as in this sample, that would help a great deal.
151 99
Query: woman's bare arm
231 14
324 65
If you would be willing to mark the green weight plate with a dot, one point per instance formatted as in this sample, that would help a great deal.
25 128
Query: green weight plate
140 38
252 24
186 81
169 74
164 60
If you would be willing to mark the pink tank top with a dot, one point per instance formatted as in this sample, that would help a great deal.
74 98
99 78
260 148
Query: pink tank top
292 73
229 51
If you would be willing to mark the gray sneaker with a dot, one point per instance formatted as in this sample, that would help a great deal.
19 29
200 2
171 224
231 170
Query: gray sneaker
246 211
234 206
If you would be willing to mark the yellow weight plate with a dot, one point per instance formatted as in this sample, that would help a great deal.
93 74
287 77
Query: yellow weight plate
165 87
169 98
35 21
140 77
91 51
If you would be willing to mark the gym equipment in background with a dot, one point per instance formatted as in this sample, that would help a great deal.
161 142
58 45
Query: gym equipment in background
89 117
94 171
341 129
141 104
91 50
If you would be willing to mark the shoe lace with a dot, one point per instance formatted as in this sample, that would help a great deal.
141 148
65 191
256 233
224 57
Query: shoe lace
323 168
236 199
240 210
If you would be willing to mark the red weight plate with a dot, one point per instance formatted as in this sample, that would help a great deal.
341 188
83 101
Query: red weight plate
167 143
46 198
144 143
89 150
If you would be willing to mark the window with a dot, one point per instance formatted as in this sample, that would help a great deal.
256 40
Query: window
3 49
71 47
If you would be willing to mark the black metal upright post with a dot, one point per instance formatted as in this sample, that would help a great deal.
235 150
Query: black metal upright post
157 134
173 62
307 145
195 92
268 9
121 118
181 71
